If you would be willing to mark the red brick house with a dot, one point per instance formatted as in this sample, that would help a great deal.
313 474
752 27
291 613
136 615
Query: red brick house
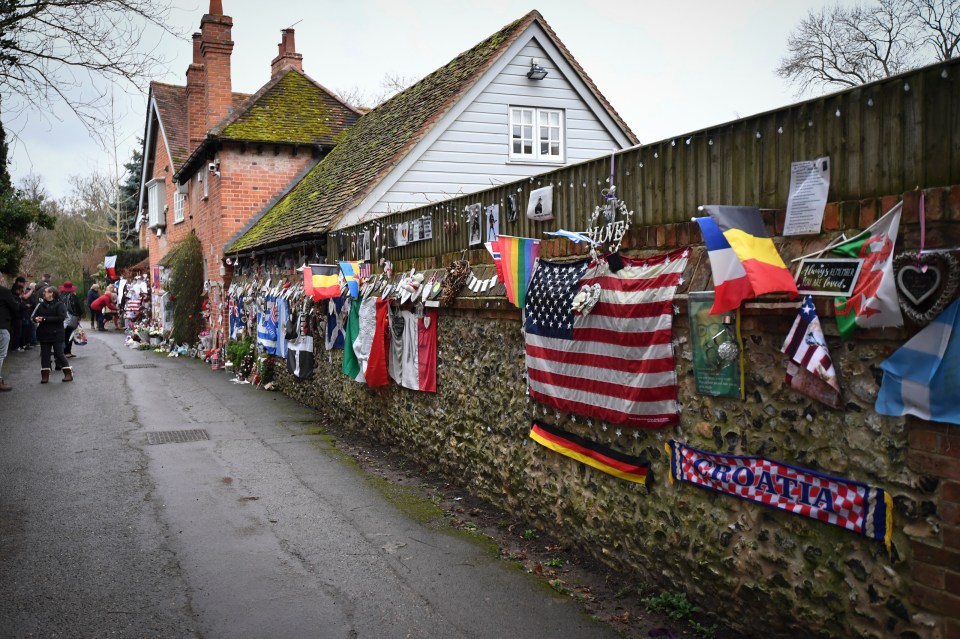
213 158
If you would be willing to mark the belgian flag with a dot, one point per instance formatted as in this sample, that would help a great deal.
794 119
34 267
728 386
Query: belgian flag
321 281
590 453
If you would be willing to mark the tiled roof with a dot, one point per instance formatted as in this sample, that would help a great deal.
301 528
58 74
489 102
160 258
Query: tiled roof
172 108
381 138
374 145
171 102
291 108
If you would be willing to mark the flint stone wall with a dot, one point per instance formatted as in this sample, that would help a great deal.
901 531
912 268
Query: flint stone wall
758 569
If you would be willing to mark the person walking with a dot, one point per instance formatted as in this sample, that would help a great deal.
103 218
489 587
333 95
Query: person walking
26 310
9 312
15 323
49 317
68 295
92 294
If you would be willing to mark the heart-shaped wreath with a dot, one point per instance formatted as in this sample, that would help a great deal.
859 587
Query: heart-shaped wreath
919 278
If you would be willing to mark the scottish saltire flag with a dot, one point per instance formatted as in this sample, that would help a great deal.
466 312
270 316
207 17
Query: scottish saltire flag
743 228
351 274
336 324
591 453
730 282
616 363
810 370
110 265
321 281
267 326
862 509
874 302
518 256
922 377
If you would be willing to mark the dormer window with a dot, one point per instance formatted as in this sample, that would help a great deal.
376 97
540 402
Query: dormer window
156 203
536 134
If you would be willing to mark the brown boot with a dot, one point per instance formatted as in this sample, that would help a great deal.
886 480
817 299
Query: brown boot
4 387
44 375
68 374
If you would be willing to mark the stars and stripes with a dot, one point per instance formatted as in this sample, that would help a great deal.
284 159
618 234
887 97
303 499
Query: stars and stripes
810 370
617 363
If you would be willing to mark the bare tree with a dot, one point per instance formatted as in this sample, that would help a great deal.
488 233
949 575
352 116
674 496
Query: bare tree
70 50
849 46
940 20
390 85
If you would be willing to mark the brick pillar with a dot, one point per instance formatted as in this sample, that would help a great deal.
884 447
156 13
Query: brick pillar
196 96
287 58
216 48
935 564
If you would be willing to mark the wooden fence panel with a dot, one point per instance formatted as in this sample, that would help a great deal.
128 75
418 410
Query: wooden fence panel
886 139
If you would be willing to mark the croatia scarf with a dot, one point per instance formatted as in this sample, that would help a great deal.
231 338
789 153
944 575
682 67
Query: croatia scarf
857 507
590 453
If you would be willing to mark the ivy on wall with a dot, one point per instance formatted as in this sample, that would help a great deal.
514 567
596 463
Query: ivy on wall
186 289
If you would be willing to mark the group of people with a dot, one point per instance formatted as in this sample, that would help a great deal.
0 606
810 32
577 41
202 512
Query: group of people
39 314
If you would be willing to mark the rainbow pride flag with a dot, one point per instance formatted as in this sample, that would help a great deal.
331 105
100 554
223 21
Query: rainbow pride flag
351 273
518 256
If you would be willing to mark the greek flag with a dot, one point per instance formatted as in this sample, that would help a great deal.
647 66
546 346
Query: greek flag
922 377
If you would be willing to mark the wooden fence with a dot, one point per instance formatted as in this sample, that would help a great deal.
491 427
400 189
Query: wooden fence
886 137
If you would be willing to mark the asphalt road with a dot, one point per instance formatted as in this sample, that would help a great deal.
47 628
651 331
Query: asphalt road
263 530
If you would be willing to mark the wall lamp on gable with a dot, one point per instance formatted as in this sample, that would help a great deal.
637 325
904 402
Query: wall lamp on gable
536 72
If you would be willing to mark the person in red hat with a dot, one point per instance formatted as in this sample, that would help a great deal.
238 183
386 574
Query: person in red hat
70 301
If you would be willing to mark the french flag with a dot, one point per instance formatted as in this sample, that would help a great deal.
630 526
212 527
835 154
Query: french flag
110 264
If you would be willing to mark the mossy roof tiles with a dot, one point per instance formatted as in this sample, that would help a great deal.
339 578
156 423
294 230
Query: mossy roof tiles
380 139
291 109
171 101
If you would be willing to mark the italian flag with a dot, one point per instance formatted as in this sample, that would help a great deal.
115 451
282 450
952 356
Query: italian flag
874 302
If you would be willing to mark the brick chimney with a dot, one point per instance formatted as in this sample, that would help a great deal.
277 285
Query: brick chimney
215 49
287 58
196 96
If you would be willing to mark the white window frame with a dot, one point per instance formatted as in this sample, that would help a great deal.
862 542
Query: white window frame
156 203
178 201
539 123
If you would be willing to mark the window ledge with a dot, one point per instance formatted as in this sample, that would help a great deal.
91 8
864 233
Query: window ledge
536 162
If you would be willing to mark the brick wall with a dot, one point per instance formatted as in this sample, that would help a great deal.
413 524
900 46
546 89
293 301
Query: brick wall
934 455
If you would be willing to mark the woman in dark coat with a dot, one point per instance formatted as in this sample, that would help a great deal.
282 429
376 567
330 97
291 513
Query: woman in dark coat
49 317
68 295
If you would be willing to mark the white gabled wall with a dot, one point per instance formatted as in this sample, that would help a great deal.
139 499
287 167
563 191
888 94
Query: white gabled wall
468 151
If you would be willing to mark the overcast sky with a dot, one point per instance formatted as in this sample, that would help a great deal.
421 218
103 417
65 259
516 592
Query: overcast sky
667 67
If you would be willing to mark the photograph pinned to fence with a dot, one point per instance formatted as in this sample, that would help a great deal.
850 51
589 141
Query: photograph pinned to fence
475 223
540 206
493 222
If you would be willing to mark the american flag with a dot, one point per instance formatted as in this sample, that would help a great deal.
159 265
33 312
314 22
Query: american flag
807 350
616 363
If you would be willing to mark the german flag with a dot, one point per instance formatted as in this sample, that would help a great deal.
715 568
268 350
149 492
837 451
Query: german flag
590 453
322 281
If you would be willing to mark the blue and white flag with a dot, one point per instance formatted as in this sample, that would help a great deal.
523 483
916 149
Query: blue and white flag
267 326
922 377
283 318
574 237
